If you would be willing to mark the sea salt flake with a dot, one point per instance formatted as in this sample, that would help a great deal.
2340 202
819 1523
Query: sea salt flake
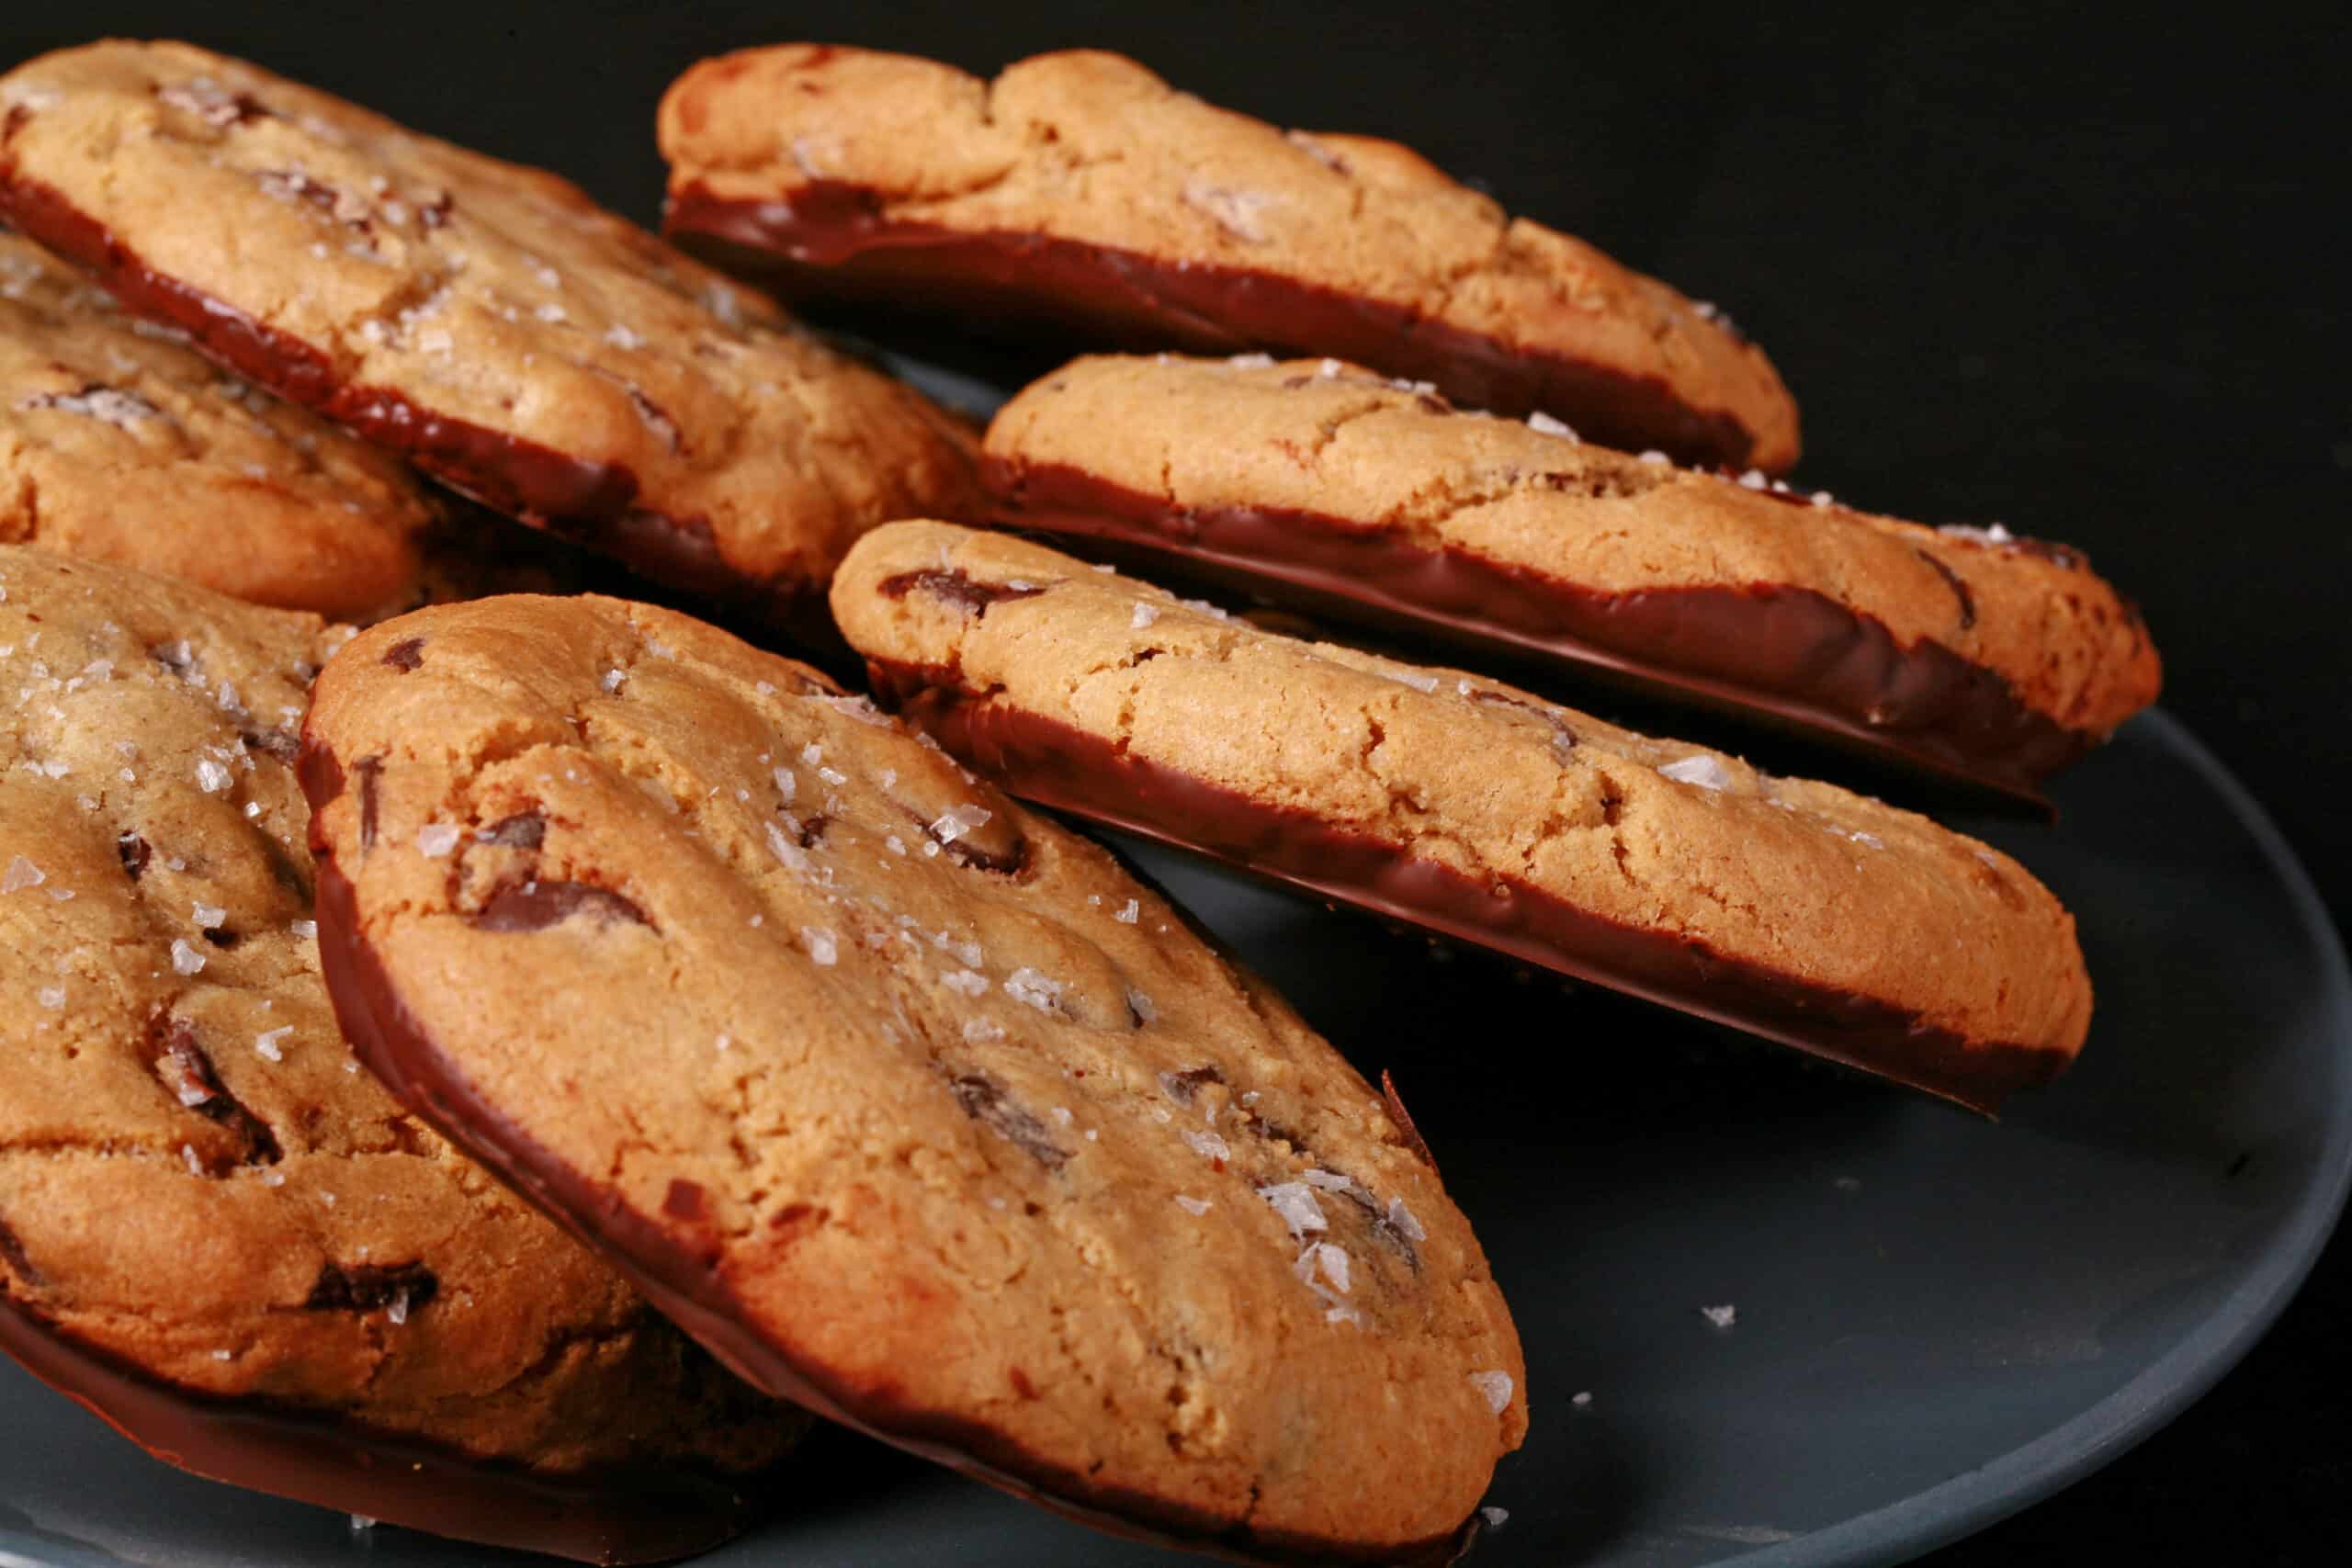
437 839
1401 1221
1720 1316
823 949
969 982
794 857
612 680
1544 424
980 1030
1209 1145
1581 1399
1496 1517
958 820
1495 1386
195 1166
1040 990
1420 682
1145 615
397 1314
1333 1263
1703 770
51 997
306 930
210 776
265 1043
1145 1008
1129 915
1295 1202
1657 458
208 916
620 336
186 959
1193 1206
21 874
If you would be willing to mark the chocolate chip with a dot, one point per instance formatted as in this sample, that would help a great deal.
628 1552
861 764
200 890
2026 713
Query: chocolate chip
1020 1384
367 768
221 937
1953 581
12 1253
406 654
811 832
983 1100
134 853
277 743
684 1201
364 1287
957 588
1403 1120
534 906
1186 1087
187 1073
523 831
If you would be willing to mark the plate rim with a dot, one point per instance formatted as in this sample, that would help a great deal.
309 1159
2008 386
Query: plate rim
2034 1471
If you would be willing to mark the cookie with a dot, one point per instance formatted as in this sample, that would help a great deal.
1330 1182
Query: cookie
1967 651
914 1106
1079 188
215 1230
485 320
119 442
1793 910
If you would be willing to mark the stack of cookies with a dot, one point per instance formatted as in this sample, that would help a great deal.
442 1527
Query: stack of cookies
500 1069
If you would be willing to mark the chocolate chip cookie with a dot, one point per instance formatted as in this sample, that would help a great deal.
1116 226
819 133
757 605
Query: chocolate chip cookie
485 320
119 442
1968 651
1080 189
1450 801
215 1230
912 1105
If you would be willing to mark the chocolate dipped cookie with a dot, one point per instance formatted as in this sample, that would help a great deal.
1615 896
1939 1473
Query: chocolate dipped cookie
1968 652
1081 190
914 1106
1458 804
487 321
215 1231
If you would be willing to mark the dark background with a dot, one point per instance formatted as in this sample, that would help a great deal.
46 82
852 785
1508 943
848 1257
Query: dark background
2016 264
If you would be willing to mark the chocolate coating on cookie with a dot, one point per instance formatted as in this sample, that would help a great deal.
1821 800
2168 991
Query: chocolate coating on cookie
888 1126
312 1293
1954 652
1079 189
1666 871
611 389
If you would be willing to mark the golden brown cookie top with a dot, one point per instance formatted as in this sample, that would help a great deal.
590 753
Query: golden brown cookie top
197 1180
119 442
1447 767
487 320
1324 440
916 1102
1092 149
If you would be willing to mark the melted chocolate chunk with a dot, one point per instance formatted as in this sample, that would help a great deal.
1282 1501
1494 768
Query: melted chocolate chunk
523 831
12 1253
534 906
188 1074
134 853
406 654
223 937
811 832
1186 1087
367 768
365 1287
957 588
983 1100
277 743
1954 582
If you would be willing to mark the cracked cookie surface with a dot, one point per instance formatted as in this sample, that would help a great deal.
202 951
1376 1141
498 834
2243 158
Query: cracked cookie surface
214 1228
119 442
914 1105
484 320
1794 908
1083 187
1967 648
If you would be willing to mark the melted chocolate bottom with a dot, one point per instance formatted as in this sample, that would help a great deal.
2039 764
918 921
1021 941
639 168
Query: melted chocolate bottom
591 504
642 1514
690 1288
834 240
1061 766
1788 655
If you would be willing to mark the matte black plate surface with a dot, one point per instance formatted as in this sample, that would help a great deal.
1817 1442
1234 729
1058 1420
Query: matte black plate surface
1939 1319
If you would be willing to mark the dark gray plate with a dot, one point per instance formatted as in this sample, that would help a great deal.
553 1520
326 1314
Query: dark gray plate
1939 1320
